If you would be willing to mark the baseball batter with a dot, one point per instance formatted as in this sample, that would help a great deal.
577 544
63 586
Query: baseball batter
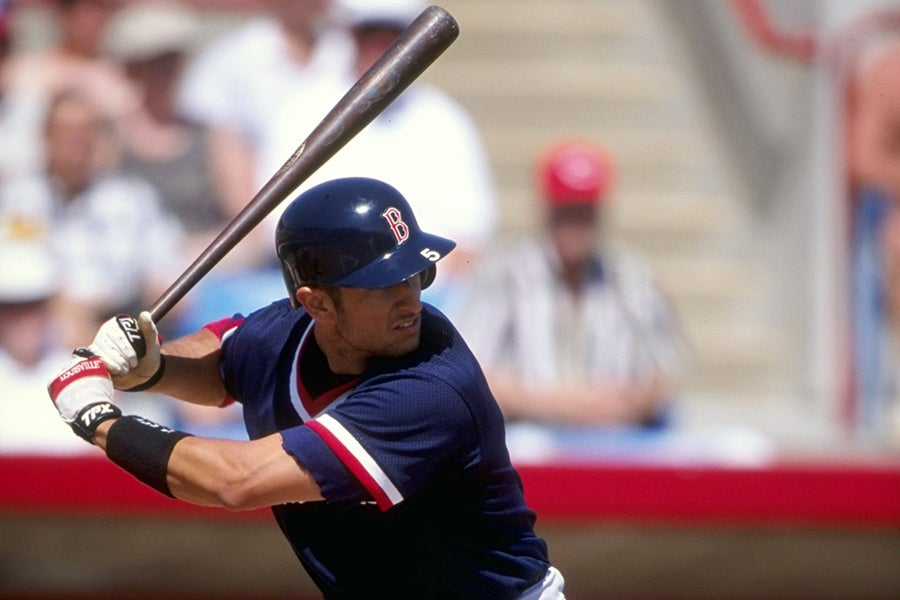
373 434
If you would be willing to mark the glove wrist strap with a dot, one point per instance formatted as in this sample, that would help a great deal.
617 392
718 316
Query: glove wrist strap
90 417
154 379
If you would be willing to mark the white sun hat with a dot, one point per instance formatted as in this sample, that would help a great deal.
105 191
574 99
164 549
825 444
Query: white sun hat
391 13
27 272
145 30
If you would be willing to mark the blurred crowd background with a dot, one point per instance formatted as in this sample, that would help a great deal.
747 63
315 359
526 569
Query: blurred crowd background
732 209
679 245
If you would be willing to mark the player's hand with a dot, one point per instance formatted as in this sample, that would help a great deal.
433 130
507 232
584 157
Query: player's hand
130 349
83 394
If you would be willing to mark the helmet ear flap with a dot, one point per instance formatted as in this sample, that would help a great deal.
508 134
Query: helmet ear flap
428 276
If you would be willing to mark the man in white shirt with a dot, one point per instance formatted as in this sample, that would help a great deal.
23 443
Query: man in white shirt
30 351
425 143
119 247
236 86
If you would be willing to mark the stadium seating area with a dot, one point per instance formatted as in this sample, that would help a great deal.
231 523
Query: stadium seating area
773 498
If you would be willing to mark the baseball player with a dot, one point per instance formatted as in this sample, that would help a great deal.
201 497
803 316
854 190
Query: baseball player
373 434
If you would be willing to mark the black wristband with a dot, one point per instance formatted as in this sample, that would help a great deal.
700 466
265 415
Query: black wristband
154 379
85 424
143 448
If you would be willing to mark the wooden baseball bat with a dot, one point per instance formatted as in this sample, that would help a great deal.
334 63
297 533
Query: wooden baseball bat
412 52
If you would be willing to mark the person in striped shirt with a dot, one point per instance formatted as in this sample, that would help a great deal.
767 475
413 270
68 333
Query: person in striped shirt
568 330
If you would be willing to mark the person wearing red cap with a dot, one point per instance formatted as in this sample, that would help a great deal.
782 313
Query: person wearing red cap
574 178
571 331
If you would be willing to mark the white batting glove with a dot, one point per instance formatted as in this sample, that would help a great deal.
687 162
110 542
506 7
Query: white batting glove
83 394
130 349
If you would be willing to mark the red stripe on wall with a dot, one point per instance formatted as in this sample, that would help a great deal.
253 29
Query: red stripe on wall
824 494
811 494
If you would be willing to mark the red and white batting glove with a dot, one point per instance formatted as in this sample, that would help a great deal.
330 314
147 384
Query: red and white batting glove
130 349
83 395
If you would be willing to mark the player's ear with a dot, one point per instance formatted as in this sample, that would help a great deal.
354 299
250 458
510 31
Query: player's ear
317 302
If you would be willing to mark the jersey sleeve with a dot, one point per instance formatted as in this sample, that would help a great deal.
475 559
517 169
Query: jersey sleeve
385 440
222 329
251 348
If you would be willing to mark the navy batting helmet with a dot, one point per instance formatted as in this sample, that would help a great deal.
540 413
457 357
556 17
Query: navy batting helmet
354 232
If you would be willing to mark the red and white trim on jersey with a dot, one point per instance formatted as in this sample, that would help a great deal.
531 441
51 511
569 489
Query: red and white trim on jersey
305 405
222 329
357 460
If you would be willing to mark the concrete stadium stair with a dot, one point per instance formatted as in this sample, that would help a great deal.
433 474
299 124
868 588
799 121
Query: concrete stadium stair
531 71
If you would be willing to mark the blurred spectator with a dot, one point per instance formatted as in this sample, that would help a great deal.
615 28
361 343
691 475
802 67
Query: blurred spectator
21 110
874 174
570 332
76 60
31 352
232 88
235 86
153 40
424 143
118 247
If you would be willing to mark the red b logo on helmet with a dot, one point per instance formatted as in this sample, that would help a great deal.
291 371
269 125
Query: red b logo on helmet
396 223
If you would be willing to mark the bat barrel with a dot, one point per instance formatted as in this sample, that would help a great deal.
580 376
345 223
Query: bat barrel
409 56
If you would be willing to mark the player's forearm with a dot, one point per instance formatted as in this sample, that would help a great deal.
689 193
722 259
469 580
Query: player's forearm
192 369
227 474
238 475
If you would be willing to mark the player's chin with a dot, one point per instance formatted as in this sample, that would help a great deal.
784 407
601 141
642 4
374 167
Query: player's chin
404 342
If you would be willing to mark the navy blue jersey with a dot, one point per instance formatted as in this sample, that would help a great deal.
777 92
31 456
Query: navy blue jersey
421 498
